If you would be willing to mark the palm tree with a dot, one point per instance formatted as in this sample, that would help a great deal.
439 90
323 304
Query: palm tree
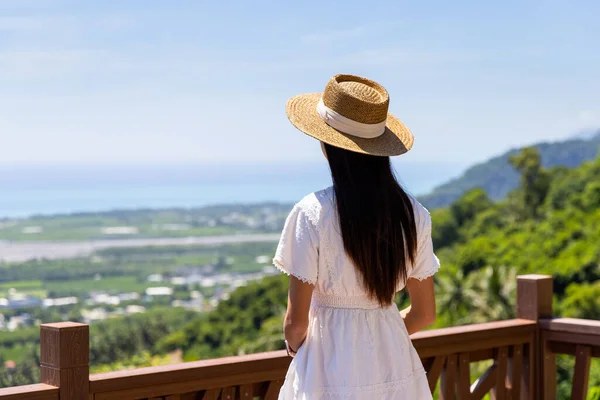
496 287
455 297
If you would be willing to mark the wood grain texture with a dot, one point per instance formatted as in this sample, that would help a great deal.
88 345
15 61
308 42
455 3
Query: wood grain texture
470 338
485 383
228 393
273 390
190 386
516 372
212 394
529 361
571 325
548 371
434 372
464 377
582 373
449 374
71 382
64 345
246 392
499 390
197 375
39 391
534 297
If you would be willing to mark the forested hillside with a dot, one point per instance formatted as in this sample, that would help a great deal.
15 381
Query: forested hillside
497 177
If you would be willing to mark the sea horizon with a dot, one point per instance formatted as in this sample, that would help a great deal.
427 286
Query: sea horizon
30 190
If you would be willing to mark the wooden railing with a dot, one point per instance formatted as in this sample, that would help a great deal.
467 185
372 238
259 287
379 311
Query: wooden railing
513 359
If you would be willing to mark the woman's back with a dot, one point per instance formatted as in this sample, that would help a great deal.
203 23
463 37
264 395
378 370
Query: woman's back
354 347
313 223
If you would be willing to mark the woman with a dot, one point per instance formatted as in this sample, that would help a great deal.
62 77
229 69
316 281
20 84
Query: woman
349 249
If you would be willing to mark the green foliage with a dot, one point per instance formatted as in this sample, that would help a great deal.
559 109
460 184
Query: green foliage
498 178
114 340
469 205
534 180
582 301
245 322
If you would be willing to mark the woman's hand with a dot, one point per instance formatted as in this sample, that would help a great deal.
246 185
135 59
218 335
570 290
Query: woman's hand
295 324
421 312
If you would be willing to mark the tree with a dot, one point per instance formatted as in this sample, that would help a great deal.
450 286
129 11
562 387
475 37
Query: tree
582 301
534 180
497 289
455 298
469 205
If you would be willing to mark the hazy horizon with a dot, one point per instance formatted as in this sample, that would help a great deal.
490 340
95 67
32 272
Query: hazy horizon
59 189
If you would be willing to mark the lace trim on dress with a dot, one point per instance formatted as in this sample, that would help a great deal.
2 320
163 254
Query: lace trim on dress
430 272
312 210
373 389
279 265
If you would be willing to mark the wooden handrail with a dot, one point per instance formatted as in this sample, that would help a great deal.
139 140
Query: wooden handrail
204 370
571 325
38 391
460 339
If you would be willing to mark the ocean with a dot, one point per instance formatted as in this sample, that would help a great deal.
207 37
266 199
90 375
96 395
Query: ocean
60 189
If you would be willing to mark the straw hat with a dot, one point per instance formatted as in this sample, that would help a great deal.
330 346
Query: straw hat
351 113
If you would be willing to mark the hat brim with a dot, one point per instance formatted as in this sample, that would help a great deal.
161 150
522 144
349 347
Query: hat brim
302 113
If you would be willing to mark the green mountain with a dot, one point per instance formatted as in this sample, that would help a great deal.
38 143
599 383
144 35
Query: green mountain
498 178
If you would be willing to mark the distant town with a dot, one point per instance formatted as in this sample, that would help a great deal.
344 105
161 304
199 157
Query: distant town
211 288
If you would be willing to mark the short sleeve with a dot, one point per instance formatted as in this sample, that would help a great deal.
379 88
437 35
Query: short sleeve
426 263
298 250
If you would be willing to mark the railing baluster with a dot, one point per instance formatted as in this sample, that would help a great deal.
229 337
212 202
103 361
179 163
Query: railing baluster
448 391
499 391
246 392
516 372
485 383
434 371
212 394
548 369
228 393
464 377
582 372
273 390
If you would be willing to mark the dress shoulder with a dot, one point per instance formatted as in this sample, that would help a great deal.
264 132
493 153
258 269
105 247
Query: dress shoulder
316 205
422 215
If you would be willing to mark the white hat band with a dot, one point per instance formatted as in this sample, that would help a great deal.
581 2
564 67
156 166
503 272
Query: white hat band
348 126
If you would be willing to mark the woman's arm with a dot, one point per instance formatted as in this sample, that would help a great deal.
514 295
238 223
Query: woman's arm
421 312
295 324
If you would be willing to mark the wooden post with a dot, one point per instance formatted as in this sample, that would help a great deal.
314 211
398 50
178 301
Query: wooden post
64 358
534 301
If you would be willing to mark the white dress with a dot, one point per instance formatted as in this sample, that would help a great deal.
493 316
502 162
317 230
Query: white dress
354 348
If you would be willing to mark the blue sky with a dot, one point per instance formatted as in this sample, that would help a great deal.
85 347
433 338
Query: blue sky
146 81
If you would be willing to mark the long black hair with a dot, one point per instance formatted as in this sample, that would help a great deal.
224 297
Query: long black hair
376 220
